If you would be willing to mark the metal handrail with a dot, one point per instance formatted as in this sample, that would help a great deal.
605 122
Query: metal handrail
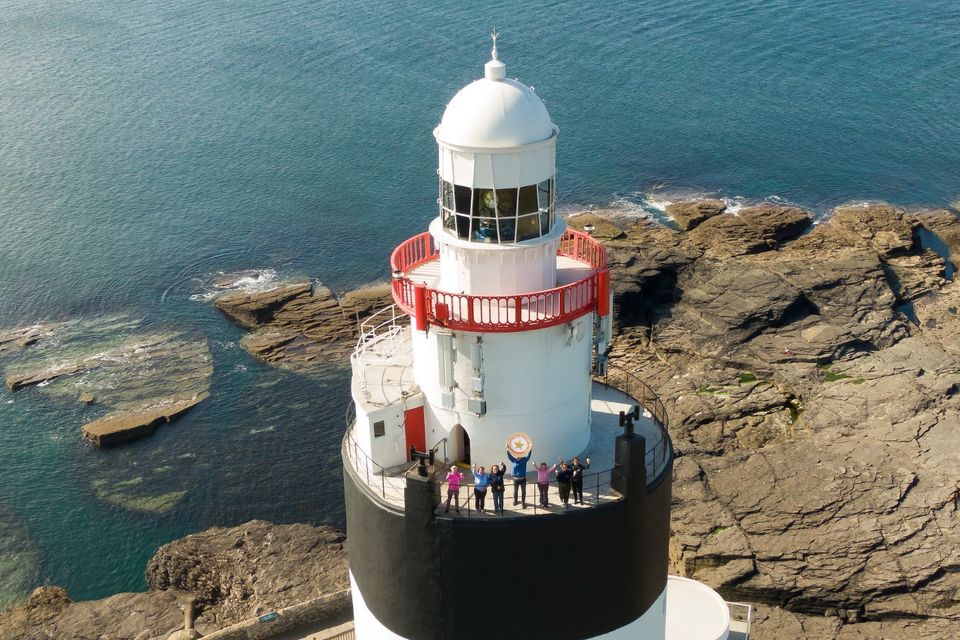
598 487
537 309
659 452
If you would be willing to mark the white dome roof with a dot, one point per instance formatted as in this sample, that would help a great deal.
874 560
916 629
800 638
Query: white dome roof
495 111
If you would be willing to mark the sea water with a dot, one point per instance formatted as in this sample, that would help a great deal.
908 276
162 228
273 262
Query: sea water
151 148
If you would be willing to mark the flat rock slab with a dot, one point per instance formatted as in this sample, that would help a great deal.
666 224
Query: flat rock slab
689 214
126 425
300 325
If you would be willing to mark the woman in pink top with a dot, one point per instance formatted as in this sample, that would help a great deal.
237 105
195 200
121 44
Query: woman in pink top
454 478
543 481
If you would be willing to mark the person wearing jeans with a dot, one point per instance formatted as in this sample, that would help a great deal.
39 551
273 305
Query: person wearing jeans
519 477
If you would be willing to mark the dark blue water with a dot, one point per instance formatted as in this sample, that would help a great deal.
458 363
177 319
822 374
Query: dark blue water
147 145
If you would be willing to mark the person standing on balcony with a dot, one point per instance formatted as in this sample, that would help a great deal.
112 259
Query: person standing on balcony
496 486
577 480
481 481
520 476
454 478
543 482
564 476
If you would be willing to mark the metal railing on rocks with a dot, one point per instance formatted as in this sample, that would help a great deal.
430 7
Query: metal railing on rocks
658 450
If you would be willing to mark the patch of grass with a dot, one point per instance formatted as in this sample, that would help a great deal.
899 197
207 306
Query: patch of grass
796 410
717 530
832 376
710 390
744 378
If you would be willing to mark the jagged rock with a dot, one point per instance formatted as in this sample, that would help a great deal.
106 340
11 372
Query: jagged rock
120 426
691 213
753 230
251 569
299 325
17 339
779 222
815 423
234 572
604 228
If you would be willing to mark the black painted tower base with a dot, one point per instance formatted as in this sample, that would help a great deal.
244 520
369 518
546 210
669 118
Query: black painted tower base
564 576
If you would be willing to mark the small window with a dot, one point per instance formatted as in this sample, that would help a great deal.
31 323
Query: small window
545 225
484 203
463 198
528 227
528 200
446 195
379 428
506 203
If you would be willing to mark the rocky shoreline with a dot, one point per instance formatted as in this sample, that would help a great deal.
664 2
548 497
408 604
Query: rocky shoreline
231 574
811 375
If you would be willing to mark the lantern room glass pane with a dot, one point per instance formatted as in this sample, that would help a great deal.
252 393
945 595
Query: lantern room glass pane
463 227
508 229
484 203
485 230
528 227
528 200
545 194
446 195
545 222
463 198
506 203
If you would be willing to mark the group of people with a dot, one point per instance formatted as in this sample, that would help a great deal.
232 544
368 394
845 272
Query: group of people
569 479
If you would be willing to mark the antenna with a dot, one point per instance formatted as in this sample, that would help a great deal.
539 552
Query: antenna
494 35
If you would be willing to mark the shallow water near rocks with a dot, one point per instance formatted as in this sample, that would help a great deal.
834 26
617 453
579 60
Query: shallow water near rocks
150 150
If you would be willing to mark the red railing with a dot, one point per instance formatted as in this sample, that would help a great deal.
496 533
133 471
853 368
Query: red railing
519 312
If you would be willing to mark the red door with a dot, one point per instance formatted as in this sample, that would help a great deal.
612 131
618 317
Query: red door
413 426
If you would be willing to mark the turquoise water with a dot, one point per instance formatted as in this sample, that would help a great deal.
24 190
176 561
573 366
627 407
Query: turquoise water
145 146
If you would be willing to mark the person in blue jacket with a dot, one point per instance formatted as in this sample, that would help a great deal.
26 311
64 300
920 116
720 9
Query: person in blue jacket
520 476
481 481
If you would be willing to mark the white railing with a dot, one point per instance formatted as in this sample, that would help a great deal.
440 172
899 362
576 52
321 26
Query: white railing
381 336
741 618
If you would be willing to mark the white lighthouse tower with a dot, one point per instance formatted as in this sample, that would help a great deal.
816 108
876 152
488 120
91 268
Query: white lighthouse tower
497 336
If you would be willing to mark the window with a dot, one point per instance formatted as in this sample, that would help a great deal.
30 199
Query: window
528 200
528 227
379 428
506 203
497 215
463 198
484 203
446 196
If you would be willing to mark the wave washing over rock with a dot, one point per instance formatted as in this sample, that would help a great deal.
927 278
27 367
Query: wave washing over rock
811 376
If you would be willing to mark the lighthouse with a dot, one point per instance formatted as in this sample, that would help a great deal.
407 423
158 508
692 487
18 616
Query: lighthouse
493 353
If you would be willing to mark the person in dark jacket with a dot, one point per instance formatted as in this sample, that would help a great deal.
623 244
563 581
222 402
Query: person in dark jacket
520 476
564 476
576 480
496 486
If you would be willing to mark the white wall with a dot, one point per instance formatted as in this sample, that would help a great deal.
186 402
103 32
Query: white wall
534 381
514 167
649 626
366 626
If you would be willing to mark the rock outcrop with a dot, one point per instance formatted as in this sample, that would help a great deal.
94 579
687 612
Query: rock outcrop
300 325
140 377
812 415
234 573
690 213
121 426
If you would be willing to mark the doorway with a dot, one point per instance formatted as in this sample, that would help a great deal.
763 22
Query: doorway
460 441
